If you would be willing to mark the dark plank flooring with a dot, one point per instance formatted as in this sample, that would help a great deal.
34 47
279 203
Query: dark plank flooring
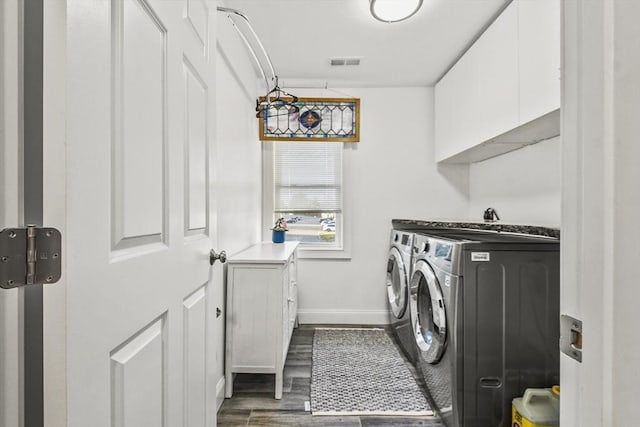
253 404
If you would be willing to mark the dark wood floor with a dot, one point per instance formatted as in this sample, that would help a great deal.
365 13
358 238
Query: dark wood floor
253 403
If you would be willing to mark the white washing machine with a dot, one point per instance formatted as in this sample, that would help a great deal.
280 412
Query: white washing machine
397 285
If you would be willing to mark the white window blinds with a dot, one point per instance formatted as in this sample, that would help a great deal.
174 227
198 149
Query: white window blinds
307 177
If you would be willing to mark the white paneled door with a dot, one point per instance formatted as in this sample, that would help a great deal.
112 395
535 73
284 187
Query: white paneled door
140 213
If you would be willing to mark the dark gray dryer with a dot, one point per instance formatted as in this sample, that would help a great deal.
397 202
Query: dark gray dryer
485 314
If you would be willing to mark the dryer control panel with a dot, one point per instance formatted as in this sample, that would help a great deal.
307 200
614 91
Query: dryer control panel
439 252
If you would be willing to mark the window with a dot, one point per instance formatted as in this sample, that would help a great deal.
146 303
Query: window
307 192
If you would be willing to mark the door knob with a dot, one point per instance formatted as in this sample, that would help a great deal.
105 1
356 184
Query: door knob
213 256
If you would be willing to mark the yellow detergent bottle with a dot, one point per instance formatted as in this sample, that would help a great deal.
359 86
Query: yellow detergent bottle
538 407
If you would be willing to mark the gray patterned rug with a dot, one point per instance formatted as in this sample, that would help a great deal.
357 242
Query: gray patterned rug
361 372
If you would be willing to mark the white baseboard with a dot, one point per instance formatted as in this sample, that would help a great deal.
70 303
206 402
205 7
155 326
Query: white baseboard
220 393
347 317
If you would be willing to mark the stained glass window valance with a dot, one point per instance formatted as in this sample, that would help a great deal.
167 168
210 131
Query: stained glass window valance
326 119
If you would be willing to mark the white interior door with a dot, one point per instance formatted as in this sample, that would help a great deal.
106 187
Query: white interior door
10 202
140 213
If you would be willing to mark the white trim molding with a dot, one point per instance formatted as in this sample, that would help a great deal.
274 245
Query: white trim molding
220 392
600 209
348 317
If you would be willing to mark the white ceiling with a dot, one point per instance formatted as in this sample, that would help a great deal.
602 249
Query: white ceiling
302 35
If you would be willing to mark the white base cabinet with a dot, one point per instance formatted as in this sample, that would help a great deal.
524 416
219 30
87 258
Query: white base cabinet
262 306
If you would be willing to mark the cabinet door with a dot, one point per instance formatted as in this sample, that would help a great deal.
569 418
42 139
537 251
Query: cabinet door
463 121
293 295
539 57
455 107
293 304
478 98
444 98
253 313
495 74
286 329
293 290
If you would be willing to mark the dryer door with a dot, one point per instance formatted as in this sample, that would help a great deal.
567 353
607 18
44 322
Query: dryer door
428 311
397 289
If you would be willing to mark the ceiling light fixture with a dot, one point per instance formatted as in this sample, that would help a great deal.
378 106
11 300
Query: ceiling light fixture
391 11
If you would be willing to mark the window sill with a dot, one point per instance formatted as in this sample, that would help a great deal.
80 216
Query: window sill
326 254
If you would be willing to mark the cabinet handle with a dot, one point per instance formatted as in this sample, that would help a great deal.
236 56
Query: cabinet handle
291 299
218 312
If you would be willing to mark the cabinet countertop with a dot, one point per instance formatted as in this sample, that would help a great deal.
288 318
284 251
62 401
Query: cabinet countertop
264 253
534 230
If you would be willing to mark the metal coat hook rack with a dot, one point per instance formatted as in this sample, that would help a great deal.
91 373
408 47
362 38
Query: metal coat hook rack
276 101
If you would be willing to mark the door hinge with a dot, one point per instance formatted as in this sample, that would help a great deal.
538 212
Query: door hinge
30 256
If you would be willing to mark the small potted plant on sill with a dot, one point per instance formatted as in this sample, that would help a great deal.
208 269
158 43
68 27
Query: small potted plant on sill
278 230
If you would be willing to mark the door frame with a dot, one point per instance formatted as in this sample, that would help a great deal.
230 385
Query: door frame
54 210
23 49
600 208
11 207
33 175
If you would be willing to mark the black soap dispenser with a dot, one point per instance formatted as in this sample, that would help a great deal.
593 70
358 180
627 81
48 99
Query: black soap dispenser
490 215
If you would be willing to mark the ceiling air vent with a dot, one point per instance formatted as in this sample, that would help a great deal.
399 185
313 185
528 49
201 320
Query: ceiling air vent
337 62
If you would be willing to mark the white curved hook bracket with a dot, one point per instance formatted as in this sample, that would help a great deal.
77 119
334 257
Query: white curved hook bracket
271 71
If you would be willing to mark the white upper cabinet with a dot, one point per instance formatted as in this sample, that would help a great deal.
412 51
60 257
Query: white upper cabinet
493 99
539 57
495 70
444 96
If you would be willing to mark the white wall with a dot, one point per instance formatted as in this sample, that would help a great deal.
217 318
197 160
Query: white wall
238 162
392 174
54 187
523 186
